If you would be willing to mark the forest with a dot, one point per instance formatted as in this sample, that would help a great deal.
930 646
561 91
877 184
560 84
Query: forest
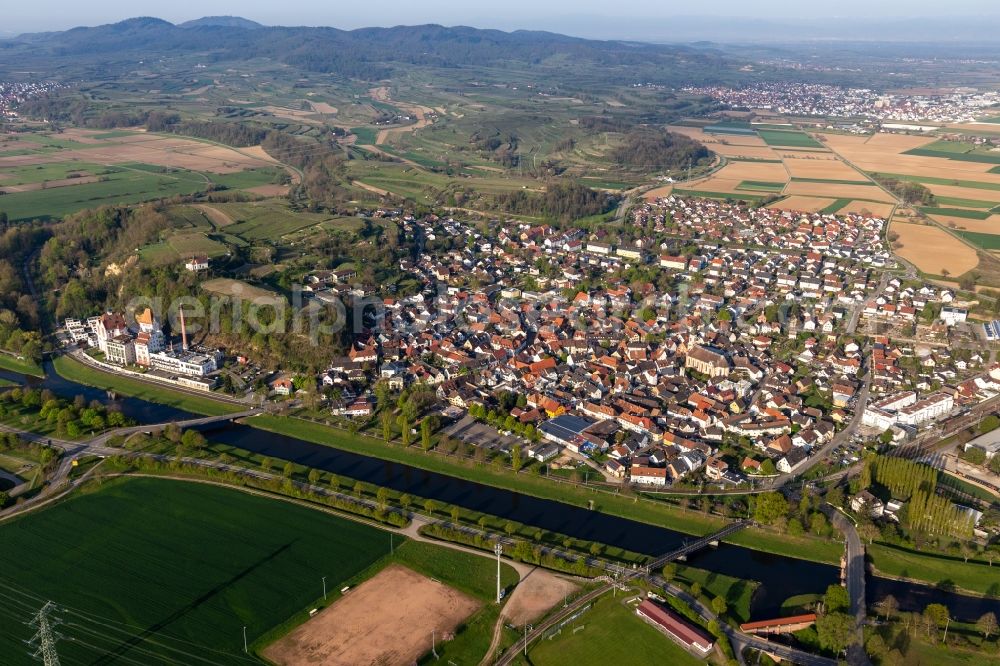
660 150
563 202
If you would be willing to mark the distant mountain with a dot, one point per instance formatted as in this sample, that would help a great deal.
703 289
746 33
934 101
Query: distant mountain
222 21
367 53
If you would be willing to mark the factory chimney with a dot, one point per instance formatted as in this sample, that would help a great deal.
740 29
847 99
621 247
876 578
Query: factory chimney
184 337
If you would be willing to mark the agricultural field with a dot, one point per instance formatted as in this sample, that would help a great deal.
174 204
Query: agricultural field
171 571
51 175
735 146
737 177
788 139
933 250
869 192
804 204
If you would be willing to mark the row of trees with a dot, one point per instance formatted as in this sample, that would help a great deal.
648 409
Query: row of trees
936 515
900 476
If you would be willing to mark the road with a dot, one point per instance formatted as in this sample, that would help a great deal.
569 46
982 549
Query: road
855 579
842 437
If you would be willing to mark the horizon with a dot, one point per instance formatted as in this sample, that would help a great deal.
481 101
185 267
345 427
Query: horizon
664 28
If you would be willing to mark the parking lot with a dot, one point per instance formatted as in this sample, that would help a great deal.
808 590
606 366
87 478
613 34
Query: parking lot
472 432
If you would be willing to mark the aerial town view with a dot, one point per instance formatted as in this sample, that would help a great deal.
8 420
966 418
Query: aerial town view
584 336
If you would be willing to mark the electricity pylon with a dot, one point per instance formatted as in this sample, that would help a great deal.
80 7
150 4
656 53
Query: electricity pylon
45 638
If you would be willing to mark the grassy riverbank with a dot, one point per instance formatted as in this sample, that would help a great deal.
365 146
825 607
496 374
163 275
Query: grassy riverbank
24 366
654 513
940 570
74 370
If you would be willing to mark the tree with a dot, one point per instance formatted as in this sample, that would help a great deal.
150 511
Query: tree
868 531
455 513
404 430
669 571
836 599
289 469
719 605
509 528
696 589
770 507
405 501
767 467
834 631
430 506
382 497
876 647
334 482
888 606
386 426
425 434
265 464
818 524
515 457
986 624
936 615
314 475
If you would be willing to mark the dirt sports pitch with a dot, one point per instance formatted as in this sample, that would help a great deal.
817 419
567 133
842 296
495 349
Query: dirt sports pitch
387 620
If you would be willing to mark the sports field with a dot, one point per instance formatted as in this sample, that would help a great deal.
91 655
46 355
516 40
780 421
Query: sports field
609 633
165 571
388 619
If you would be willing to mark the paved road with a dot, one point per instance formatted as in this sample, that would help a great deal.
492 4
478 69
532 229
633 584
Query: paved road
842 437
855 583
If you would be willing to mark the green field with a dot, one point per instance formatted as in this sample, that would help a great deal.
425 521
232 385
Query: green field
612 634
985 241
366 135
788 138
161 570
76 371
765 186
836 205
956 151
972 576
933 180
123 186
956 212
964 203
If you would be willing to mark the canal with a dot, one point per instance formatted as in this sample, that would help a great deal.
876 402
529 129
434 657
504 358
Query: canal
780 577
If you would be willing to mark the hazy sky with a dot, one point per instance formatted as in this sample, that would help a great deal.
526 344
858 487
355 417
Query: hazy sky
585 17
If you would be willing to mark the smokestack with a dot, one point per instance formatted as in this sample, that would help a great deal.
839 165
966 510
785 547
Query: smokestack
184 337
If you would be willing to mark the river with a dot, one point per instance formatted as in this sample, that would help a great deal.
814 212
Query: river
780 577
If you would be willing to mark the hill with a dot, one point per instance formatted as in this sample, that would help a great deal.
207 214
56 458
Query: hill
221 21
366 53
